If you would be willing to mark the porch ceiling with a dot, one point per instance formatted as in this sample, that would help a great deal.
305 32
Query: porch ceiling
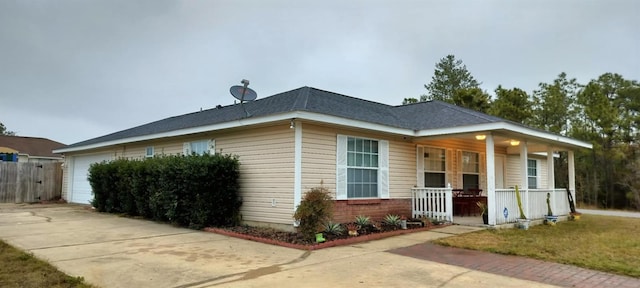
505 139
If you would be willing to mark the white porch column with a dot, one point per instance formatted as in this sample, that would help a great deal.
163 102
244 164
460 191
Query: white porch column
551 179
491 179
297 166
525 176
572 175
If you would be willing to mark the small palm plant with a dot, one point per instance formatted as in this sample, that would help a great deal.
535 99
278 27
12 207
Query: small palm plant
392 220
362 220
333 228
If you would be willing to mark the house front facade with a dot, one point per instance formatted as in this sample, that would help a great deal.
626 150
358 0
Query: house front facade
375 159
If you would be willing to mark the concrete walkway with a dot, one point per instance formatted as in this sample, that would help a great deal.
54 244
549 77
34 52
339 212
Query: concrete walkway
112 251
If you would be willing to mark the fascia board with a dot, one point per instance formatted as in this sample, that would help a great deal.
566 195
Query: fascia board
497 126
246 122
318 117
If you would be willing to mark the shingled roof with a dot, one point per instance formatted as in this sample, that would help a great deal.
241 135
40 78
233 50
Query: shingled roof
33 146
417 116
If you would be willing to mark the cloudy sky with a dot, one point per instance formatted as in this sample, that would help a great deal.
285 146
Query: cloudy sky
74 70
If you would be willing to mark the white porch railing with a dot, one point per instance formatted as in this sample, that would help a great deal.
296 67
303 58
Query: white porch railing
434 203
534 203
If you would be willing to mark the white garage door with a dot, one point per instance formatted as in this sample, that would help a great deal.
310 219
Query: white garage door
80 188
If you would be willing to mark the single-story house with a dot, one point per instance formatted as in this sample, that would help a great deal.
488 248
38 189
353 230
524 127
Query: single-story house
29 149
374 158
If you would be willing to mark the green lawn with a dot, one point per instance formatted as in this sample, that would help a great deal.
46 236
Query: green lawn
610 244
20 269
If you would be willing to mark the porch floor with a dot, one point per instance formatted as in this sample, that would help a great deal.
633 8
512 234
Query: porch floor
475 221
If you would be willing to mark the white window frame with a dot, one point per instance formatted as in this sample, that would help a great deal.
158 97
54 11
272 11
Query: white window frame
461 168
342 168
477 172
149 149
535 178
210 147
444 162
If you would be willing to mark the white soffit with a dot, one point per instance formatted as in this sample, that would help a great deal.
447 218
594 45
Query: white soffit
528 132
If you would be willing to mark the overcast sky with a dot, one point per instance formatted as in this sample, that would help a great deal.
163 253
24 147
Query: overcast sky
74 70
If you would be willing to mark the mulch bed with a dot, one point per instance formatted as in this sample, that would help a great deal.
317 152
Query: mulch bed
295 240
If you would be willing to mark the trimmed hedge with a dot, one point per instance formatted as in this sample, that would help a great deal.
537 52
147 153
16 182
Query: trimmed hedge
192 191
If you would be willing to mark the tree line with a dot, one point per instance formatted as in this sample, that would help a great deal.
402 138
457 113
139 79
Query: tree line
605 112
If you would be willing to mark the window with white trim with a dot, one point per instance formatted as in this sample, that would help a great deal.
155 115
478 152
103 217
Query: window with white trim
362 168
470 170
434 167
149 152
199 147
532 173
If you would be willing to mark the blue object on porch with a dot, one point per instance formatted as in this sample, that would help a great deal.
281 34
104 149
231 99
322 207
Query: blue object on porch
505 212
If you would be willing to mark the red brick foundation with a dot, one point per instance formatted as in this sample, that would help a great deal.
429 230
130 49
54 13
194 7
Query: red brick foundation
346 210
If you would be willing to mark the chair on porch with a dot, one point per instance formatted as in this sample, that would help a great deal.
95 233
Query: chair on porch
461 202
471 196
474 192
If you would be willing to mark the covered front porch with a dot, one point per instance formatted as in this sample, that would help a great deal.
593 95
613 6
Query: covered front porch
494 163
437 203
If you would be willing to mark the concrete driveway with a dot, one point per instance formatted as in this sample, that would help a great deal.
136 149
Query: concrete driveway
112 251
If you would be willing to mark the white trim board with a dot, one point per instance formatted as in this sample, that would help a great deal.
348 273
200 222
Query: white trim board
302 115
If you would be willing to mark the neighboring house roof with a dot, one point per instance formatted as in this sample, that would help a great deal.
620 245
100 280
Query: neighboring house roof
32 146
314 104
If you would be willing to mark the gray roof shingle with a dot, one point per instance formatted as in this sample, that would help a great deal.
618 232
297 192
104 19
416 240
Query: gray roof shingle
417 116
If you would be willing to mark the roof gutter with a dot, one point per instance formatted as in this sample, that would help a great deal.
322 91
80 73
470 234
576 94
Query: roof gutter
336 121
496 126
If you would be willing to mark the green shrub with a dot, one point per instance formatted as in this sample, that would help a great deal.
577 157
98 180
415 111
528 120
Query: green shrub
315 209
192 191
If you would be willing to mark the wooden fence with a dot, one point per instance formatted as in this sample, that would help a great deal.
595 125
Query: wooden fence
30 182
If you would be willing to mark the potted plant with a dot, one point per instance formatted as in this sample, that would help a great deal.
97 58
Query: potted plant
550 219
483 212
523 222
403 222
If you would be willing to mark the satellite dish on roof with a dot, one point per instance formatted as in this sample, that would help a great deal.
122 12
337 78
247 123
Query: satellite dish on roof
243 93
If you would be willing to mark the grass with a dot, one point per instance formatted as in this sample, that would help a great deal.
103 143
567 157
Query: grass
609 244
20 269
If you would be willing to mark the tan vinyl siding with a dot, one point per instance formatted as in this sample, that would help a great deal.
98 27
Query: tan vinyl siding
319 159
402 169
542 172
266 157
65 178
513 174
266 171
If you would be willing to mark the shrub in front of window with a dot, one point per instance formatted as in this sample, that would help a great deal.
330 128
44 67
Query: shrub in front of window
315 209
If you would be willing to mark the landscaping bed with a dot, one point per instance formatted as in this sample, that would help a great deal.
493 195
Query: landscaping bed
297 241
